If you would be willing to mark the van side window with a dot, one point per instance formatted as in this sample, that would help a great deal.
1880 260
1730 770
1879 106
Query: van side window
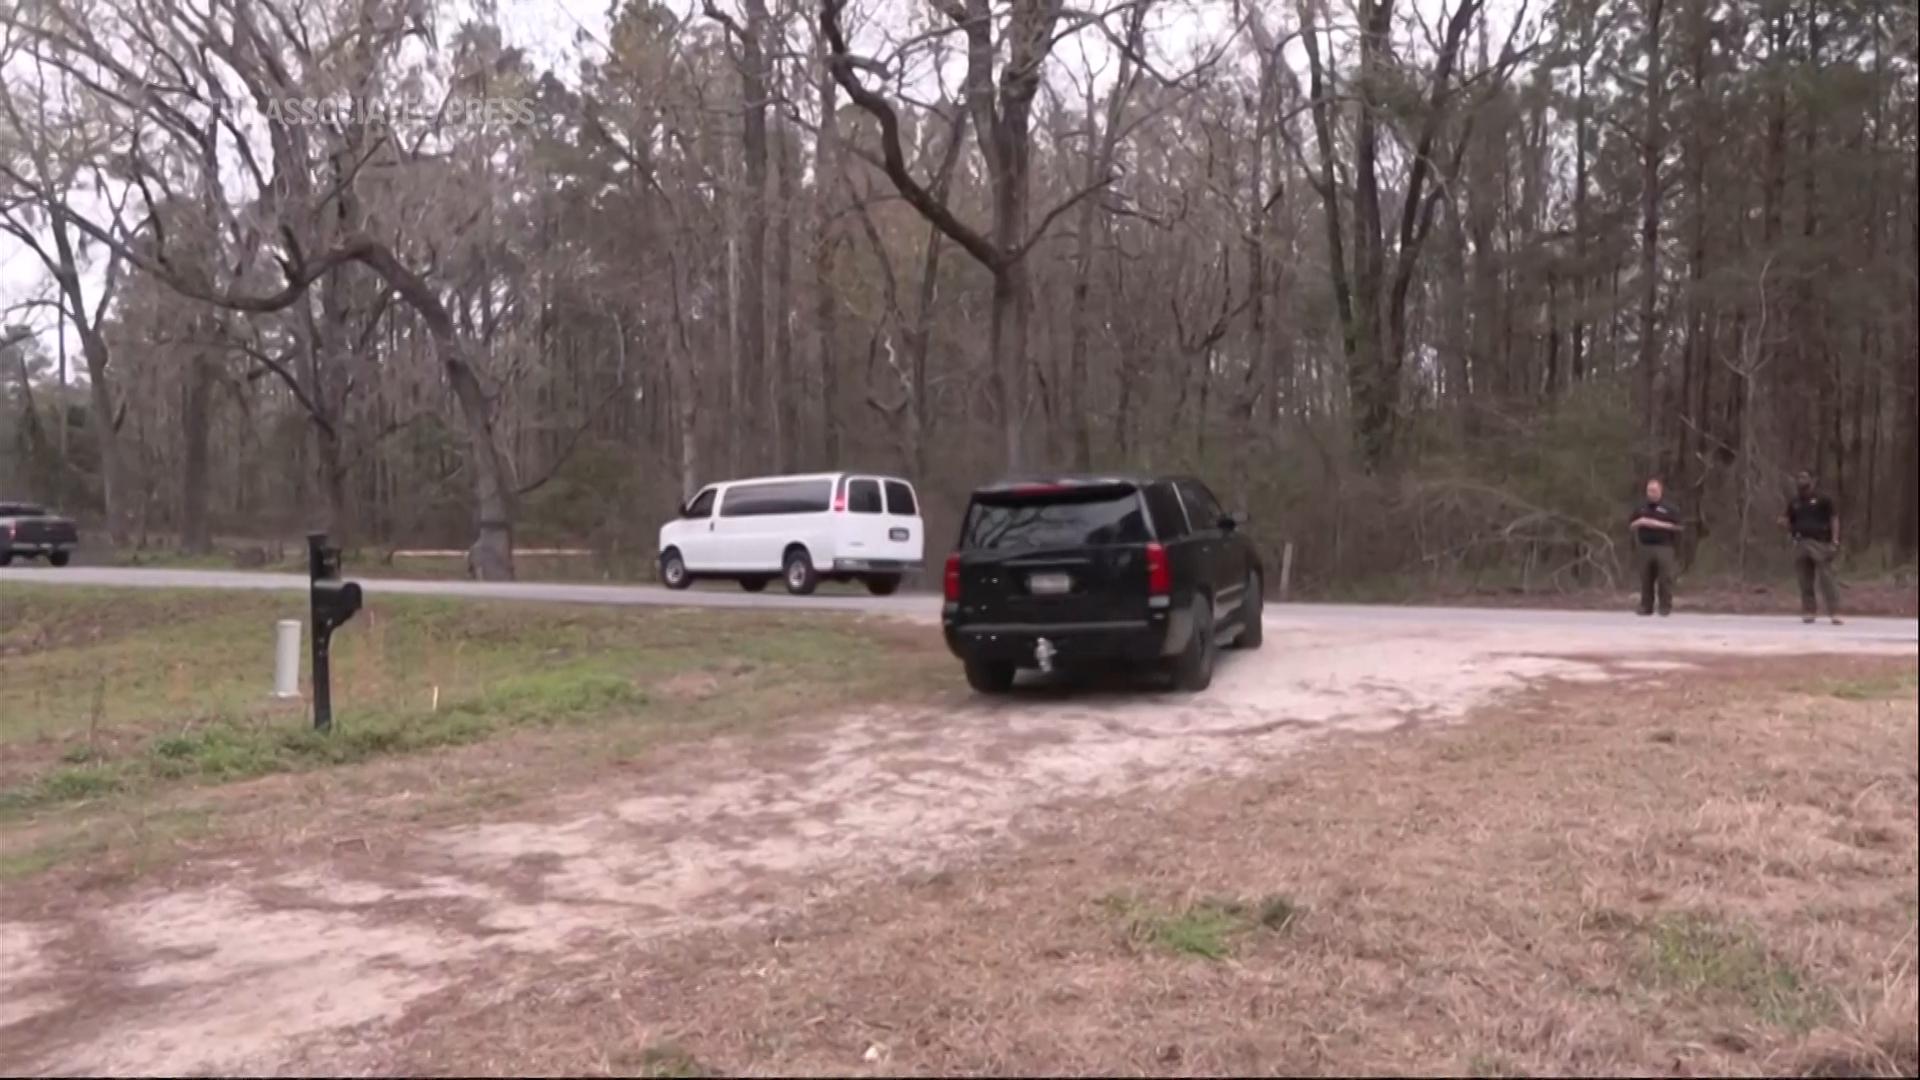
863 496
900 499
701 506
1169 519
777 497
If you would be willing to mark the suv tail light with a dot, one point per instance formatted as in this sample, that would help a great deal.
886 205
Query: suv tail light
1159 575
953 578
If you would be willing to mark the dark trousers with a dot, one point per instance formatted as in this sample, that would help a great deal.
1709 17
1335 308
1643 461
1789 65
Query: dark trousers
1813 562
1656 577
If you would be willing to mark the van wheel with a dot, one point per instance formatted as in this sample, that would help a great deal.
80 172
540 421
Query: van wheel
1193 669
1251 630
988 677
673 570
883 584
59 558
798 569
754 584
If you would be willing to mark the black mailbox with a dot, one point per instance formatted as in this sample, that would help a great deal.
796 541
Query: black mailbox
333 602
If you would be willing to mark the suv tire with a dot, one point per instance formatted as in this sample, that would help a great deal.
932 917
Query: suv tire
1252 603
989 677
1193 668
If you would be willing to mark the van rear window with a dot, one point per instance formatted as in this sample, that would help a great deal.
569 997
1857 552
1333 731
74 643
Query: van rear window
900 499
1090 517
863 497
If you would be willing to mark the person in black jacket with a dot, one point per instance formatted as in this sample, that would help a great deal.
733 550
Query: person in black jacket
1814 524
1655 525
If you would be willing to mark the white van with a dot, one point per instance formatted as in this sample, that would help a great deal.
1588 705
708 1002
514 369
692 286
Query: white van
836 526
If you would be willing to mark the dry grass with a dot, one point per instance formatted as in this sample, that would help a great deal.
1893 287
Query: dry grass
1710 874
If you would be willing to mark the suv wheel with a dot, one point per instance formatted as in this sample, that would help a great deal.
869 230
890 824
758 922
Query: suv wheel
673 570
59 558
1251 604
1193 668
798 569
989 677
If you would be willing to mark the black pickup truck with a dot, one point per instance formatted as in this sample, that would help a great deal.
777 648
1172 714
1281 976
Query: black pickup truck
1088 570
27 529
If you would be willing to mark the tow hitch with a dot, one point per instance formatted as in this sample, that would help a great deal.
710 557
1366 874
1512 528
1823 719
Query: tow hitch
1043 653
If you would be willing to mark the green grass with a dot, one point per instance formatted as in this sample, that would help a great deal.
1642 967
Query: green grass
117 692
145 839
1696 956
663 1060
1899 688
1209 929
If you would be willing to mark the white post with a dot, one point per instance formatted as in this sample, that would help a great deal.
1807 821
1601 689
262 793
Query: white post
286 660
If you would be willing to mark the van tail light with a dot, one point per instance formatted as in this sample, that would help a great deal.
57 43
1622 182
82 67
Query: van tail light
1159 575
953 579
839 501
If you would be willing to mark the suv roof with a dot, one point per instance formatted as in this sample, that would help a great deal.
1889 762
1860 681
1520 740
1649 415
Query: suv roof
1073 480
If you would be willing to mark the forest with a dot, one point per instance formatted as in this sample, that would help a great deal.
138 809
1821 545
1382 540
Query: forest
1428 287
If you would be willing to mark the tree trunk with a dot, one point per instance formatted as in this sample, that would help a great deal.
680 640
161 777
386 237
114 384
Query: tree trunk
1372 388
1583 275
1907 537
826 174
195 533
1099 163
1321 86
493 493
330 468
752 297
116 483
685 387
785 394
1651 152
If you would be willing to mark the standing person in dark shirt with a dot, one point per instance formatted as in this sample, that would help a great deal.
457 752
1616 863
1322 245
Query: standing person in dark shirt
1814 524
1654 525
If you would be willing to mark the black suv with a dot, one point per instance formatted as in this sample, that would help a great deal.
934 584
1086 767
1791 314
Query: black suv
1084 570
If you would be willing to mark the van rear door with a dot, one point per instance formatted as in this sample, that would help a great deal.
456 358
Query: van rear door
861 531
906 538
1055 553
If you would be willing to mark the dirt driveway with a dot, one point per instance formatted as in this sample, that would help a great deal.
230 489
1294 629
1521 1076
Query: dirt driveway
271 964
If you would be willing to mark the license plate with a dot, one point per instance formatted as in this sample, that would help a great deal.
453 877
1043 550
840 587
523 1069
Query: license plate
1048 584
897 534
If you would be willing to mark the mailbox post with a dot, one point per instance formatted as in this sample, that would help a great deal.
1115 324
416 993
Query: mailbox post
334 602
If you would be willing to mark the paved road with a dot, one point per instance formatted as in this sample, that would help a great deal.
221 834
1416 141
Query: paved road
920 606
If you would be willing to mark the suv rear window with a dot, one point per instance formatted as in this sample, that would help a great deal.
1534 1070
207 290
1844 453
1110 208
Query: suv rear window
1169 519
1068 518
